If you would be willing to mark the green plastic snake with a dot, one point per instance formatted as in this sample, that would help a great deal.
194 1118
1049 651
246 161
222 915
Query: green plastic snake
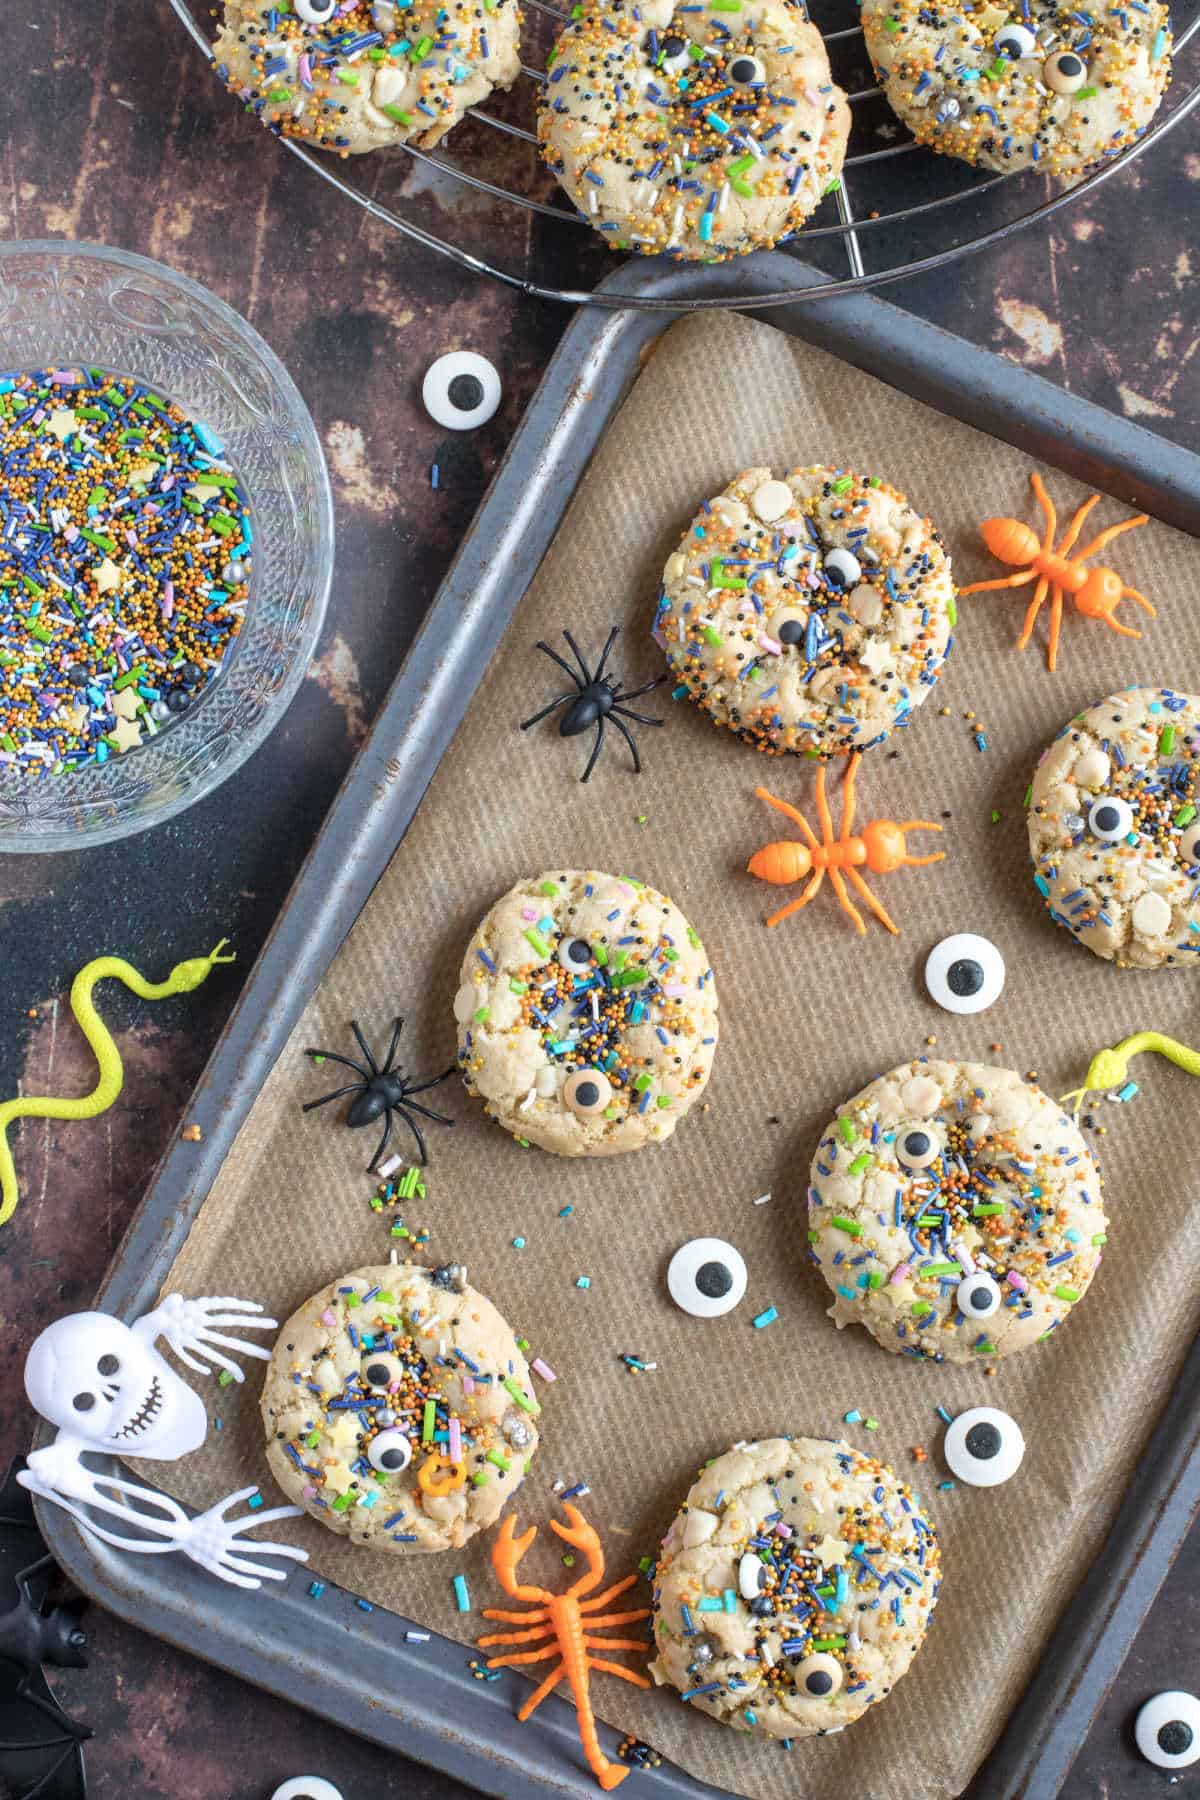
1110 1068
184 977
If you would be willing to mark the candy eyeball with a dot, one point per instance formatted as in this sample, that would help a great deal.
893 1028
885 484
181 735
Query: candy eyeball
984 1446
918 1145
1014 42
307 1787
461 390
819 1676
752 1576
1065 72
575 954
1110 819
706 1278
964 973
1189 845
673 55
788 625
978 1296
746 71
842 568
1167 1730
316 12
381 1368
390 1451
587 1092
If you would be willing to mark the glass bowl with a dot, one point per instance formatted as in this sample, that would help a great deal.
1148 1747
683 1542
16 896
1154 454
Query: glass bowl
62 305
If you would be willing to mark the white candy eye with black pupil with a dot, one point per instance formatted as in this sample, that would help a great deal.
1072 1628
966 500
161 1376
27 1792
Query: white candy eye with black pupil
918 1146
1064 72
752 1576
964 973
587 1092
389 1451
746 71
706 1277
380 1370
1189 845
1014 41
461 390
788 625
316 12
842 568
575 954
307 1787
673 55
1110 820
984 1447
978 1296
1167 1730
819 1676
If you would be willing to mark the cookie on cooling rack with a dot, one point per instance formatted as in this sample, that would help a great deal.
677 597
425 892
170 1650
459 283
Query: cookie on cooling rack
1114 828
587 1013
702 130
398 1409
955 1211
1021 85
362 77
769 1609
808 613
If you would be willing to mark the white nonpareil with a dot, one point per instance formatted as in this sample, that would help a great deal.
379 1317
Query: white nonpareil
110 1391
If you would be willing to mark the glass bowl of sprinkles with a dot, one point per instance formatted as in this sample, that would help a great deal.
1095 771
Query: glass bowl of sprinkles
166 543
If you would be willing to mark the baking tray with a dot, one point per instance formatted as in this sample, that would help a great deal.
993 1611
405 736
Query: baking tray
354 1666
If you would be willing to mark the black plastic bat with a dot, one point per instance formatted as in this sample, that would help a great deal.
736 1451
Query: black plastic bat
41 1746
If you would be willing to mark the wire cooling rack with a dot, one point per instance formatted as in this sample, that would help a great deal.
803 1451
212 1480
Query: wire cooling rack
484 199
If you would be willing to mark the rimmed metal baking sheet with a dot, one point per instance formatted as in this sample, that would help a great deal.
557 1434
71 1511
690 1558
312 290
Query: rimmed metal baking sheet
354 1666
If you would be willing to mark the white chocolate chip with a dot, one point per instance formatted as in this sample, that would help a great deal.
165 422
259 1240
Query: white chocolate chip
698 1527
920 1096
866 604
676 568
1092 769
466 1002
771 499
1151 916
547 1081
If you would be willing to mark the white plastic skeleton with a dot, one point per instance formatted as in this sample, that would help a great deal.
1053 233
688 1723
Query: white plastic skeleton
109 1390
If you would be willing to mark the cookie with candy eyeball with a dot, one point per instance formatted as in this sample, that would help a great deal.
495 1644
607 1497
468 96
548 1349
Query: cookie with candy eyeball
1019 84
1114 828
955 1211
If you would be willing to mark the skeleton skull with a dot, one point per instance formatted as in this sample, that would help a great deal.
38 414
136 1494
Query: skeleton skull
101 1382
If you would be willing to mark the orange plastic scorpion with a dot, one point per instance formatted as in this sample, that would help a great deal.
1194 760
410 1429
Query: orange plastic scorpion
1096 592
561 1617
881 847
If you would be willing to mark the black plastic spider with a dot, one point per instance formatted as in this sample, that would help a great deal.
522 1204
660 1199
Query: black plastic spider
598 697
381 1090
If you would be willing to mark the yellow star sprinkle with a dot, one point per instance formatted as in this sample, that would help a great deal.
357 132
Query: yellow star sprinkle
126 735
831 1550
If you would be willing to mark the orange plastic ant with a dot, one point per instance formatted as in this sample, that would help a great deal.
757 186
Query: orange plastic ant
1096 592
561 1617
881 847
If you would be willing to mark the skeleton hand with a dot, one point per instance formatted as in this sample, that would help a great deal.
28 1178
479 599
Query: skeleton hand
188 1325
210 1539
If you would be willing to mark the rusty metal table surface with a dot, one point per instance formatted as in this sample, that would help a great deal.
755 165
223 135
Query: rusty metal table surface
111 129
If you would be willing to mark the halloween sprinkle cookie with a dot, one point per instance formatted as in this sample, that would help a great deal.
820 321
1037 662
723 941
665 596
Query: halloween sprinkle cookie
794 1587
810 613
1114 828
1025 85
364 76
955 1211
398 1409
587 1013
702 130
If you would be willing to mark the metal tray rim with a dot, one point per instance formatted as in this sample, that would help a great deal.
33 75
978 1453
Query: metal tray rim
430 1715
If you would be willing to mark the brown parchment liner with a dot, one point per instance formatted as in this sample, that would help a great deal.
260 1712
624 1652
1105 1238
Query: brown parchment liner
809 1013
